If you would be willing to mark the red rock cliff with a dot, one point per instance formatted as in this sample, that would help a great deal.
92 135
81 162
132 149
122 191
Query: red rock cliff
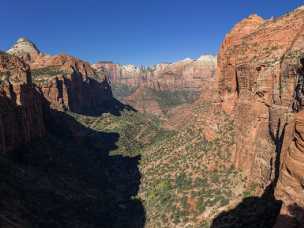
21 105
71 84
291 181
67 83
186 74
260 81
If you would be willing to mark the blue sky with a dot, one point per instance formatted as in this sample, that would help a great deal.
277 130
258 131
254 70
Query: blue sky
129 31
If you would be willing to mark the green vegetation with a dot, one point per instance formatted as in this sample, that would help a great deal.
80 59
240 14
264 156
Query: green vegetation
170 99
47 72
196 174
250 190
122 90
183 174
166 99
136 130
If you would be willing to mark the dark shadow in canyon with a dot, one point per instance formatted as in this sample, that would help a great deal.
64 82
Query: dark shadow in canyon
252 212
257 212
98 97
294 219
69 179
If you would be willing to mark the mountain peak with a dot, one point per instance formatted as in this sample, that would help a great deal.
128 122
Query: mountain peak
207 59
24 48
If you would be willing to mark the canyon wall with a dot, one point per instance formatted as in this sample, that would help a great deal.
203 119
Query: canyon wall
71 84
162 87
67 83
260 81
32 84
186 74
21 113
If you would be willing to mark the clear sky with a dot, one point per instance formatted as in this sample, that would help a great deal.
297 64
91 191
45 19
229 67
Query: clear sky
129 31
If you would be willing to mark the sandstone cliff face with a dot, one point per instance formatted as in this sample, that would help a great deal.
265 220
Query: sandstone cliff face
71 84
21 105
291 183
67 83
129 75
186 74
162 87
260 83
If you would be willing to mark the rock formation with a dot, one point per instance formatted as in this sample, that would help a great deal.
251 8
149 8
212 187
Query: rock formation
67 83
291 183
21 105
260 81
186 74
160 88
70 84
25 49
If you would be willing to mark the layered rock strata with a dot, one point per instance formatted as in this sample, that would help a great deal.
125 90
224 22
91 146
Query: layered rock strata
260 82
186 74
21 105
67 83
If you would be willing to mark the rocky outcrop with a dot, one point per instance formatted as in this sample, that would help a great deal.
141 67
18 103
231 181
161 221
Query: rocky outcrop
71 84
162 87
21 105
291 183
67 83
186 74
260 84
25 49
129 75
144 101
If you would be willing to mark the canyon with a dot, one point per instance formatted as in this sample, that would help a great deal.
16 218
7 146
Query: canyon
260 78
211 142
144 88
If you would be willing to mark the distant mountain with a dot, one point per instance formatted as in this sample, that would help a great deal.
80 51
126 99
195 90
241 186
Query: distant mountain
166 85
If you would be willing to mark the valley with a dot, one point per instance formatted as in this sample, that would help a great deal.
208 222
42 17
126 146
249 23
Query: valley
212 142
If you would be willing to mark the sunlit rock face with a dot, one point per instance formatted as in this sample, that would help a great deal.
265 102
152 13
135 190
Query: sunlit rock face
160 88
21 105
260 82
25 49
184 74
291 183
68 83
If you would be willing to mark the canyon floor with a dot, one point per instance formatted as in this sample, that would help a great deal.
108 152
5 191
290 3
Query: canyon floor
131 170
201 143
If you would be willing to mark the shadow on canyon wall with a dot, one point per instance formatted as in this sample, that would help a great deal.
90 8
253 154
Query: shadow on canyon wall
257 212
252 212
98 97
260 212
295 220
68 179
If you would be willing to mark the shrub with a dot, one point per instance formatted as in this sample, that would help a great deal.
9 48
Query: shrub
47 71
183 182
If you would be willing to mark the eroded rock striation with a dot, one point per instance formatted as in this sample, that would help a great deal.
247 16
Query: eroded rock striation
21 112
67 83
160 88
71 84
260 82
187 74
291 183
